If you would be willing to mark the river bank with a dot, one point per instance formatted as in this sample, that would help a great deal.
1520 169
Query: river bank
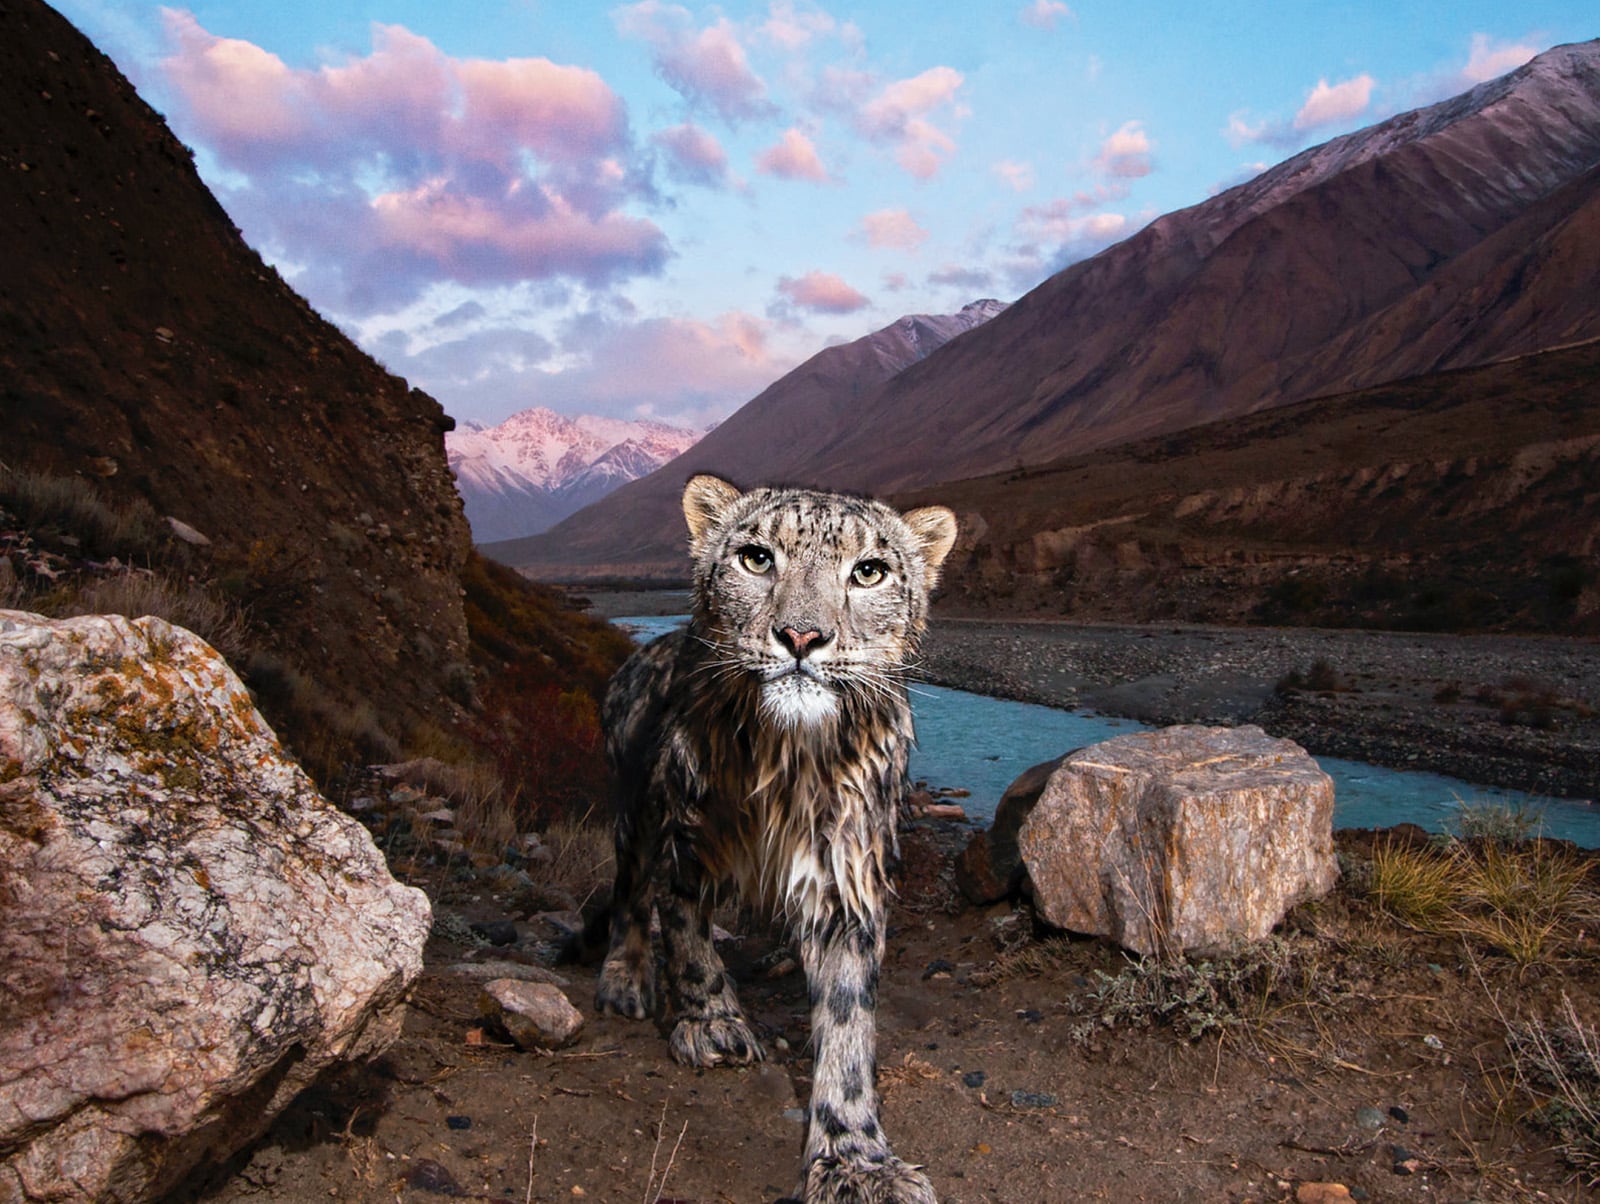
1518 712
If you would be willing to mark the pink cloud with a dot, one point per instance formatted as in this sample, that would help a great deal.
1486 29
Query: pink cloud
821 292
1044 14
1486 60
898 116
693 155
792 28
893 228
1330 104
1126 154
708 67
405 166
1017 176
793 158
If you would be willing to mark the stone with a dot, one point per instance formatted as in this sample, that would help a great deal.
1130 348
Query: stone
1321 1193
535 1015
990 867
191 932
1188 839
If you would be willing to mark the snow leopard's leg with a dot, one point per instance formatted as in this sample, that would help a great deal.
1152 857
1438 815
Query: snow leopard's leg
711 1028
847 1155
627 983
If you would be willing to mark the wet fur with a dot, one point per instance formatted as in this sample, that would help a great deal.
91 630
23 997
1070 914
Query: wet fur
740 759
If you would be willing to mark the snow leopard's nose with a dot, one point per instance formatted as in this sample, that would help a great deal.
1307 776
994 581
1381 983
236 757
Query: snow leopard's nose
800 643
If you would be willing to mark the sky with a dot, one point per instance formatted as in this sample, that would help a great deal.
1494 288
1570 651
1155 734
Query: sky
655 209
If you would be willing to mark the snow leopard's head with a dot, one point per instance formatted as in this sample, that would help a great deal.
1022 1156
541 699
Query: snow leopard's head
813 598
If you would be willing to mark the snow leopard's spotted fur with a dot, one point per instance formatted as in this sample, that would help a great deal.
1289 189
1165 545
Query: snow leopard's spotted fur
766 745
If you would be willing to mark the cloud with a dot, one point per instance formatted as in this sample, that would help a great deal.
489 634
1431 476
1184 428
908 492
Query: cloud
1486 60
708 67
792 28
1044 14
1126 154
820 292
893 228
1326 104
1335 103
693 156
972 280
794 157
1017 176
676 369
390 171
898 116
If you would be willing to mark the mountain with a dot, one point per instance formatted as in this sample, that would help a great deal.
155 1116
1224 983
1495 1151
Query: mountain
535 468
1457 500
153 367
639 528
1442 238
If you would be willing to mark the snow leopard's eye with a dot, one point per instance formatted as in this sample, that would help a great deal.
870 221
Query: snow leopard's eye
755 559
868 573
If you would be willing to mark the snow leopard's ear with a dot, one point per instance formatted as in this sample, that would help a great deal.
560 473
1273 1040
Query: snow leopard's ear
935 529
705 499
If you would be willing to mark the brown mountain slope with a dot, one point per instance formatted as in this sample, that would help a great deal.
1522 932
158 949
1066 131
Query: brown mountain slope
1450 236
1458 500
141 338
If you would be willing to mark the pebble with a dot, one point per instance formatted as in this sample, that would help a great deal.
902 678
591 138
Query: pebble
458 1122
1370 1118
1032 1099
428 1175
1400 1114
974 1078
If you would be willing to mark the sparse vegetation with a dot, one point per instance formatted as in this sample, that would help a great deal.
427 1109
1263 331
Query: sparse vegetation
1523 901
1558 1065
1201 996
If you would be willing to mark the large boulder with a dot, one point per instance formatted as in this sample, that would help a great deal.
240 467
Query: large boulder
189 932
1185 839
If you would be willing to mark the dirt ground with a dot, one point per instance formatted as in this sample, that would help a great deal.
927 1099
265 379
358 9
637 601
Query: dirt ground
1380 1064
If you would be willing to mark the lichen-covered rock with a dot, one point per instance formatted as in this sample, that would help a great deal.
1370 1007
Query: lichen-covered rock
189 933
1184 839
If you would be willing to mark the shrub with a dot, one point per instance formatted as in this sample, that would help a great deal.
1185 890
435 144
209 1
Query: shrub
1558 1065
217 620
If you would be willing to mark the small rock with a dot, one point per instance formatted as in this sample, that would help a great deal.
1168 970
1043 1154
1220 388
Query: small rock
938 966
1432 1042
535 1015
1400 1114
1321 1193
496 932
458 1123
1032 1099
428 1175
1030 1015
1370 1118
187 533
974 1078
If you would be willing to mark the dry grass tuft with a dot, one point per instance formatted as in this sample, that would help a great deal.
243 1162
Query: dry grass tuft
1523 901
1558 1065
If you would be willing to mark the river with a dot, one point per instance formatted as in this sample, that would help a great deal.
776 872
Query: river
981 744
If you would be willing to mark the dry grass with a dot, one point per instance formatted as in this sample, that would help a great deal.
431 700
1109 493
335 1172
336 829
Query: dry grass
217 620
1558 1065
1526 902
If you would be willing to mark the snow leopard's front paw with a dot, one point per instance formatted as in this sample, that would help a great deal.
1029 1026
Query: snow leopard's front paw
715 1041
877 1179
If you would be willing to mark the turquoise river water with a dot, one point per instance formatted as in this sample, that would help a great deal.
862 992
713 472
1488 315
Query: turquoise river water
981 744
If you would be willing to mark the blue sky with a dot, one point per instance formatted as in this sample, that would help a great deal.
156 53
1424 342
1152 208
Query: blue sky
656 209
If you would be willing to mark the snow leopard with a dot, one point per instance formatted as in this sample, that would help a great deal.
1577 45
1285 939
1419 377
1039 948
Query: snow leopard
764 746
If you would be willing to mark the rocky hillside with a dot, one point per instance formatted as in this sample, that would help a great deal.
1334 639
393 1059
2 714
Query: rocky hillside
151 366
526 474
1442 238
638 530
1467 500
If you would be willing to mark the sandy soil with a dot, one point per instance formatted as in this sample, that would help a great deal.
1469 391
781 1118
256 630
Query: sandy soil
1385 1070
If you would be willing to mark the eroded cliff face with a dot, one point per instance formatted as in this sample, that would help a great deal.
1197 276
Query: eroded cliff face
145 347
1466 500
